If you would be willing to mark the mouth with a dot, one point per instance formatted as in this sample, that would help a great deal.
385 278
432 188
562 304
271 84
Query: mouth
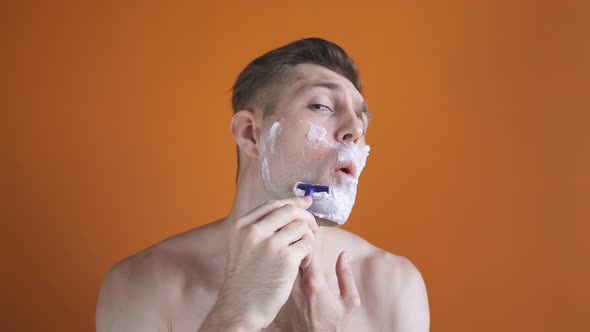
346 169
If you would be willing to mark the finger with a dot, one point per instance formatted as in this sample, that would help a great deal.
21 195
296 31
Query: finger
270 206
346 283
291 233
305 262
313 270
281 217
302 248
312 277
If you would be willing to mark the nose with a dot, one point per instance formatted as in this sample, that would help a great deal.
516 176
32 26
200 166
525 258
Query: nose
351 129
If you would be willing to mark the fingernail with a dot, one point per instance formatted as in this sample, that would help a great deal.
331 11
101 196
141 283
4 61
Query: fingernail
345 257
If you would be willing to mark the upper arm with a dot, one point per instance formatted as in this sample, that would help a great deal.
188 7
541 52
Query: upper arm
411 311
125 303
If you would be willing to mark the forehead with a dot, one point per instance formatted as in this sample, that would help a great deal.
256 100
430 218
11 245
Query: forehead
309 76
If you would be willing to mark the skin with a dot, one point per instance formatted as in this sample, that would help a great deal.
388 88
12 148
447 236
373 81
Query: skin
270 265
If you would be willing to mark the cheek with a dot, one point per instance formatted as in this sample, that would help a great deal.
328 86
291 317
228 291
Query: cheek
300 149
293 153
299 159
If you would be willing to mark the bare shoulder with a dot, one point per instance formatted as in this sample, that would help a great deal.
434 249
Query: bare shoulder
394 271
149 290
136 290
378 266
391 285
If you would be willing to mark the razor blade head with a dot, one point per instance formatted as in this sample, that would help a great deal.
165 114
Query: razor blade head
310 189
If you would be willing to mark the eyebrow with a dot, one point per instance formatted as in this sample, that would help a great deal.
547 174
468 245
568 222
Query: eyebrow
335 86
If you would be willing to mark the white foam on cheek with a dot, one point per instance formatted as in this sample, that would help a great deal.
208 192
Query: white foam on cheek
272 136
317 134
268 141
265 172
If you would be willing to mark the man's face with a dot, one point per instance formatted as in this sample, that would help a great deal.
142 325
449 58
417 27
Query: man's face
316 135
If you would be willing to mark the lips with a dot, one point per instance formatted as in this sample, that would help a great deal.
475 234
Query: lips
346 168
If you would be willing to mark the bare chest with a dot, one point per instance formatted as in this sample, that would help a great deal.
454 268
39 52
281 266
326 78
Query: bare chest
190 315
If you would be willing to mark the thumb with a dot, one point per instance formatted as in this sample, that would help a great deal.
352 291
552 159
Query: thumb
346 283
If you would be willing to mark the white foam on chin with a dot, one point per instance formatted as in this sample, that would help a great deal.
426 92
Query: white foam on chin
338 205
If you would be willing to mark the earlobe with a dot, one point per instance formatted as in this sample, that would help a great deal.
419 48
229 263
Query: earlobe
245 132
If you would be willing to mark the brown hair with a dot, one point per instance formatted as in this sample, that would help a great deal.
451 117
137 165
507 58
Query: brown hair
258 83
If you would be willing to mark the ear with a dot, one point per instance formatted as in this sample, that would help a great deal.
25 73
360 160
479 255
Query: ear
245 130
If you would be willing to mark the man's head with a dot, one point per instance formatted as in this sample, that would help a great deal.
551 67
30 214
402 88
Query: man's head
259 84
300 117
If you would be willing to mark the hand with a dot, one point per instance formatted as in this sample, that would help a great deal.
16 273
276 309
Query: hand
318 309
266 248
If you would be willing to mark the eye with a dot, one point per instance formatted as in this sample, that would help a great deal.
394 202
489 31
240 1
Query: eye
320 108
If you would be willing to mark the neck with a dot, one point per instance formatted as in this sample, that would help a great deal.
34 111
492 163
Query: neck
250 193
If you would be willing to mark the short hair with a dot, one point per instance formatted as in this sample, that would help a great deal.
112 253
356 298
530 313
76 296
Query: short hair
258 83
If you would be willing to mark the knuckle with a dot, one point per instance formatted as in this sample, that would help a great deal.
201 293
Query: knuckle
252 232
299 225
293 259
307 245
273 203
240 222
305 250
290 258
309 218
310 233
290 208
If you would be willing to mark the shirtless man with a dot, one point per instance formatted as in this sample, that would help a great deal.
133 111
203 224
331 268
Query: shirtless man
272 264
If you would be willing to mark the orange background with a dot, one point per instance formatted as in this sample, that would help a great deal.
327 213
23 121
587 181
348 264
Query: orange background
117 122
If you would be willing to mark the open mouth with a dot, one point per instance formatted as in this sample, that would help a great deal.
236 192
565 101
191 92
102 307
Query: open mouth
346 168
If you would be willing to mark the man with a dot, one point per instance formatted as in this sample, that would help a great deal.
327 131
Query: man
276 262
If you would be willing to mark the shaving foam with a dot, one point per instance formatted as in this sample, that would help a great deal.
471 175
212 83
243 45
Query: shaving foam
268 140
317 134
272 136
337 205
